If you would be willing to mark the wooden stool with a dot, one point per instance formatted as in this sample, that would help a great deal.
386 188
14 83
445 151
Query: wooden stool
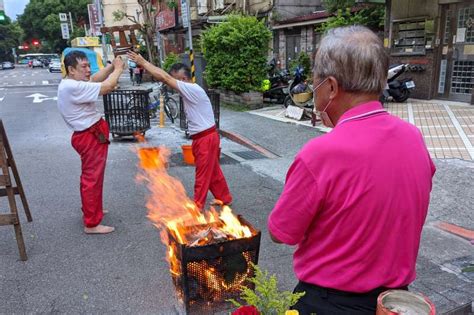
6 162
124 45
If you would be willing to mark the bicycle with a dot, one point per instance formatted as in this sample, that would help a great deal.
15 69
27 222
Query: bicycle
153 106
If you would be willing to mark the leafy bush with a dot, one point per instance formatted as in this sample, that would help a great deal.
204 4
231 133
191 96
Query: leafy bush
266 297
170 60
236 52
373 17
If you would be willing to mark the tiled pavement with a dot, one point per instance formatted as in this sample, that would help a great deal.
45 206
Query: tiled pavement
448 127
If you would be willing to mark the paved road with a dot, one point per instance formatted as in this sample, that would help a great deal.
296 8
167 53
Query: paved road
24 76
125 272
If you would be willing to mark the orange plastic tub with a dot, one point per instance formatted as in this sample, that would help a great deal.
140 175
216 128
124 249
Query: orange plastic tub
188 156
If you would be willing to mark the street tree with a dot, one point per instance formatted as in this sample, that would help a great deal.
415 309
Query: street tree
147 26
40 20
10 35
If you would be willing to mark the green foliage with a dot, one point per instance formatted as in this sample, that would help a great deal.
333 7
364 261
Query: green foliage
10 34
236 52
334 5
119 15
40 20
170 60
303 60
266 297
373 17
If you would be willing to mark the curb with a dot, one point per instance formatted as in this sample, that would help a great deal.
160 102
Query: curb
456 230
247 143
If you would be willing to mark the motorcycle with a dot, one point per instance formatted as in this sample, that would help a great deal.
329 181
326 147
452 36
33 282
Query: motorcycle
277 84
300 94
397 90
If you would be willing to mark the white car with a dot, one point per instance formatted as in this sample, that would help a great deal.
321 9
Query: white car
55 65
37 63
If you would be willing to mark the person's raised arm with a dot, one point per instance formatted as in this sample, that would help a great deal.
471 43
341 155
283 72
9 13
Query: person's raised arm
102 74
158 73
111 82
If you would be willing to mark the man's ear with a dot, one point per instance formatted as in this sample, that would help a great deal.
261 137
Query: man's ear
334 86
70 69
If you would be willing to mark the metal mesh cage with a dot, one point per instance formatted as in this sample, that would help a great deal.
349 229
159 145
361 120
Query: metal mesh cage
126 112
211 274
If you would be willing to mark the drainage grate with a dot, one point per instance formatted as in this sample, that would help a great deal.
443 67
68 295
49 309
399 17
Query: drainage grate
178 160
249 155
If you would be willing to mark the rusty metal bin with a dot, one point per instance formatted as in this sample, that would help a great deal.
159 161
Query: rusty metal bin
126 112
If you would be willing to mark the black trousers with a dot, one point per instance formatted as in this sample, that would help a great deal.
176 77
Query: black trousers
323 301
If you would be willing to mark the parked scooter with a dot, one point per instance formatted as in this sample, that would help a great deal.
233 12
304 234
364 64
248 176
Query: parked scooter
397 90
300 93
278 84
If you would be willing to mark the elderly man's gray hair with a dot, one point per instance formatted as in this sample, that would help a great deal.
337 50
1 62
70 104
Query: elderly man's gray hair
355 56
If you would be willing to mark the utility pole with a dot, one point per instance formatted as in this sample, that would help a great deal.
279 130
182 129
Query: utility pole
98 4
70 21
190 33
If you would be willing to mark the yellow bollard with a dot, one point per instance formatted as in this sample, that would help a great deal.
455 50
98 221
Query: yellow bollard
162 111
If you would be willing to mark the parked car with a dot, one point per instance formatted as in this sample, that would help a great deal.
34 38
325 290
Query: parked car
8 65
55 65
37 63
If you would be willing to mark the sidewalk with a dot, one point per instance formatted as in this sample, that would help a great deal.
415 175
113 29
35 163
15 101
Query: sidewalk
448 127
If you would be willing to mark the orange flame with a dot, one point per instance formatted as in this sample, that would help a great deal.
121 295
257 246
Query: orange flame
172 211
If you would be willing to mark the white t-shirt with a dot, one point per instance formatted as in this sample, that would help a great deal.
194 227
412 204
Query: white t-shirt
76 103
197 106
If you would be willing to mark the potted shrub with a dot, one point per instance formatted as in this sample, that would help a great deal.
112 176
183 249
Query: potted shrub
236 52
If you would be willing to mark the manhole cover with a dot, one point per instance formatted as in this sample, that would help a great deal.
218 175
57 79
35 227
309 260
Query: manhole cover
249 155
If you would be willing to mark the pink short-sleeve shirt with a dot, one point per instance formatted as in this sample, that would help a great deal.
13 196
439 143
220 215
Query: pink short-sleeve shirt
355 201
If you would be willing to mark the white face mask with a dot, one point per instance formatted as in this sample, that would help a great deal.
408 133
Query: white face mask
323 115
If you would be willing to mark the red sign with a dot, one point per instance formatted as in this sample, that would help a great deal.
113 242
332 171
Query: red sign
165 19
94 19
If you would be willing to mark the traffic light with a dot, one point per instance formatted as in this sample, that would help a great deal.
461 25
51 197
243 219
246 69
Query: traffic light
35 42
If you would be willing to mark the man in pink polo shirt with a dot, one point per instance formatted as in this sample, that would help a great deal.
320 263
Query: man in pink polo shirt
355 199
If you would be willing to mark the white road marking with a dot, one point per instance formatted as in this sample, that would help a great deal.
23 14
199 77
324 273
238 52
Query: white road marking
2 98
45 82
40 98
411 120
460 131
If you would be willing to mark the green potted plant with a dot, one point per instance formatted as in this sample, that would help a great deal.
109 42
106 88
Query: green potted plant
265 299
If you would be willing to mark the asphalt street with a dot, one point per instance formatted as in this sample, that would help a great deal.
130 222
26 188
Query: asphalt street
126 272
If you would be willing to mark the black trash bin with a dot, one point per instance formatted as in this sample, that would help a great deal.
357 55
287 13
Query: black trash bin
126 112
214 97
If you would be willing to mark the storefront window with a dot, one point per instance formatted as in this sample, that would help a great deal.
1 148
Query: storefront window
466 24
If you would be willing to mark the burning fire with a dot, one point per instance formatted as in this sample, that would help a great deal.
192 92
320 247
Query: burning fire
172 211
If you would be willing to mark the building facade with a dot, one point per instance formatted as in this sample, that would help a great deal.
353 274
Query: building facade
437 37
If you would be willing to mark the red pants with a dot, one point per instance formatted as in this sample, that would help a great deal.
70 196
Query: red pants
93 158
209 175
